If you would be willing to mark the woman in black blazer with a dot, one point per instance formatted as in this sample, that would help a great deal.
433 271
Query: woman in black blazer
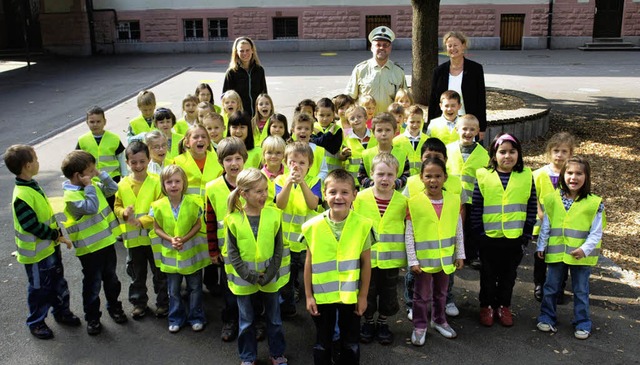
474 100
245 74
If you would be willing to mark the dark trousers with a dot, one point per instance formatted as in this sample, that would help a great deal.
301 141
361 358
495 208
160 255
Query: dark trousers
138 258
470 237
230 309
349 324
47 288
100 268
383 296
500 258
288 290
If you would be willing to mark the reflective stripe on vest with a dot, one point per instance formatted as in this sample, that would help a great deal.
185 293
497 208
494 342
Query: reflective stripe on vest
466 170
256 253
194 254
505 210
149 190
435 237
413 154
389 251
217 192
295 213
544 186
352 164
30 248
569 229
91 232
335 265
104 153
197 179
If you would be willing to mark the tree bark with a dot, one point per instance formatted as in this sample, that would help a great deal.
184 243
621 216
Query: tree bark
424 42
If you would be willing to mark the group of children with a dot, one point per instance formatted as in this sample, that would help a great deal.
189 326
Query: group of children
246 205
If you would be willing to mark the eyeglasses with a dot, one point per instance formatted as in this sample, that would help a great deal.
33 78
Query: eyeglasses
159 147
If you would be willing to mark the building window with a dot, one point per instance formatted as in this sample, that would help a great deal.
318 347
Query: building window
285 28
193 30
129 31
218 29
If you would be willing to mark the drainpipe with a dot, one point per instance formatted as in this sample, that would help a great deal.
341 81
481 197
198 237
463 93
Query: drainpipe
549 24
92 36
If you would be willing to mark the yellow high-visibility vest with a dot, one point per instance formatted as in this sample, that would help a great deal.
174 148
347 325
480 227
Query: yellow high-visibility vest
149 191
32 249
466 170
104 153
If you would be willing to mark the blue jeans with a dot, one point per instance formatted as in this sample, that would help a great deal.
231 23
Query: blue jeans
177 309
580 287
247 343
47 288
100 268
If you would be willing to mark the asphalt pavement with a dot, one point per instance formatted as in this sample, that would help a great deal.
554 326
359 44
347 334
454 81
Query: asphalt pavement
45 107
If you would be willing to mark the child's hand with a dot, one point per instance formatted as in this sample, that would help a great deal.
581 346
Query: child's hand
176 242
312 307
416 269
459 264
361 306
95 172
578 254
540 255
85 180
128 213
345 153
65 240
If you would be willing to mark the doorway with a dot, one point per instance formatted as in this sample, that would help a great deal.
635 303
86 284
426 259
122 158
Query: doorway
607 22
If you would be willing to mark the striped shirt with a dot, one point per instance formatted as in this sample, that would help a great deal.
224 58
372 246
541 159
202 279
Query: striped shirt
27 217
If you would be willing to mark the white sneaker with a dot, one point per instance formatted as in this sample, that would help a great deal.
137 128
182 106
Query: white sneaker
410 314
582 334
451 310
546 327
174 328
197 327
444 329
418 336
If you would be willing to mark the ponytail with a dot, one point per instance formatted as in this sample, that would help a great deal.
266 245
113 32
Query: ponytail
233 202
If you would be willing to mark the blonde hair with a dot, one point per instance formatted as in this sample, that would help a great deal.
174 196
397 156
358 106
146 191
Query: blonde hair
471 119
146 97
169 171
273 143
355 108
367 99
385 158
383 118
234 63
301 148
459 35
153 136
256 117
561 138
182 148
232 94
247 179
401 93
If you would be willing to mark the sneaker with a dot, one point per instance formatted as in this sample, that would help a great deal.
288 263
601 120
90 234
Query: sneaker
410 314
546 327
94 327
197 327
229 331
505 317
537 293
118 316
139 311
476 264
582 334
68 319
367 332
248 363
260 330
444 329
162 311
418 336
174 328
486 316
451 310
41 331
384 336
279 360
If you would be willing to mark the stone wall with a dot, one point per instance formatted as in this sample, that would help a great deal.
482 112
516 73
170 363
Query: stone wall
572 19
330 24
631 19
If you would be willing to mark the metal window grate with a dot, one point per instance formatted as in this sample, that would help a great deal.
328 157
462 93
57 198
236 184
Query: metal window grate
511 31
193 30
218 29
129 31
285 28
374 21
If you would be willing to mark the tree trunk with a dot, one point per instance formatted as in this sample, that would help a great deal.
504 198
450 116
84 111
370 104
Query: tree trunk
424 42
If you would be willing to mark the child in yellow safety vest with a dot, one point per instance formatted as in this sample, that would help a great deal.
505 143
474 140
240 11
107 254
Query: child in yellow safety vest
412 139
559 148
135 194
327 134
302 131
92 228
298 195
143 123
105 146
435 249
444 127
570 236
240 126
164 120
180 248
273 148
387 210
337 270
38 239
356 141
232 155
503 212
190 112
254 263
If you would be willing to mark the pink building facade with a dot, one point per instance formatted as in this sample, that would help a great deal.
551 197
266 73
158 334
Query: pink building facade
83 27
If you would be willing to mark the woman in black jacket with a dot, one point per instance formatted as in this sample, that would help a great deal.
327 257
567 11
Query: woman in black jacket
245 75
462 75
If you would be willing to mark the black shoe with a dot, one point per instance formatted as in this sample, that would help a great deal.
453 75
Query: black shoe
94 327
229 331
41 331
367 332
139 311
475 264
288 311
383 334
118 316
261 329
537 293
162 311
68 319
